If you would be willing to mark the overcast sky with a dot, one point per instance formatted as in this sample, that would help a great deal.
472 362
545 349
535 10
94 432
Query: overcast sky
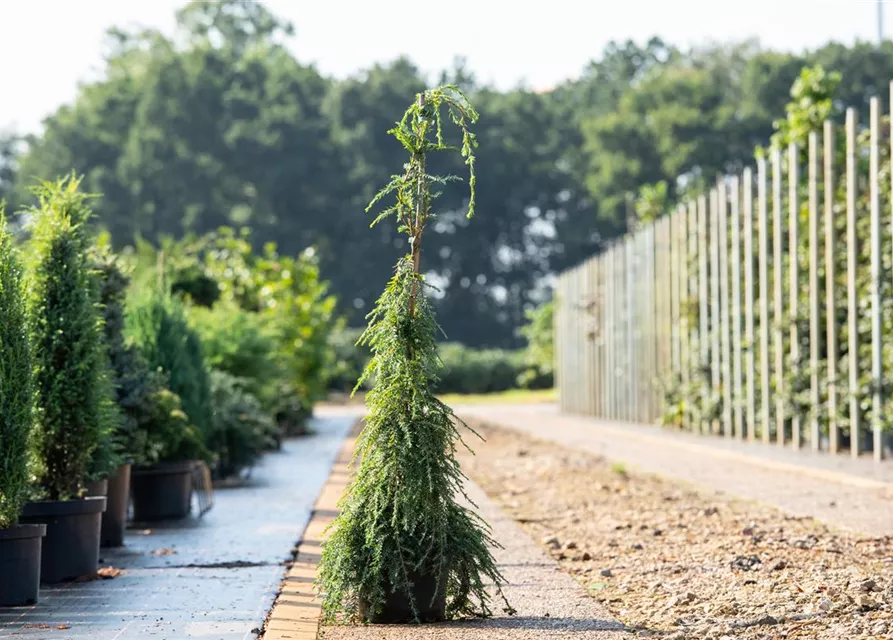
49 45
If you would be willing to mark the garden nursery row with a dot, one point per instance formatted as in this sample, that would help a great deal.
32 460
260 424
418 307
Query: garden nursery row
126 375
122 374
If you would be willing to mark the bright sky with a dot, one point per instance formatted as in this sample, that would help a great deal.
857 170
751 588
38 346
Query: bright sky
49 45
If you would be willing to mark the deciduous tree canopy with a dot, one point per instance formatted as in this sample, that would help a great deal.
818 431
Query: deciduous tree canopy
220 124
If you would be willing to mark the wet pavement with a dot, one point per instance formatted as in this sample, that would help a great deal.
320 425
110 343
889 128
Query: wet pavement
213 577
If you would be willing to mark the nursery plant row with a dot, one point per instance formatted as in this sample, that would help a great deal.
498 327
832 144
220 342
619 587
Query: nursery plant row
121 373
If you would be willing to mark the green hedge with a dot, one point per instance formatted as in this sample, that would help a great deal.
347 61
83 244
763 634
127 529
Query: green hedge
468 370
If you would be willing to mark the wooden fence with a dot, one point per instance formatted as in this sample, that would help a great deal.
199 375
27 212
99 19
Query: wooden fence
756 311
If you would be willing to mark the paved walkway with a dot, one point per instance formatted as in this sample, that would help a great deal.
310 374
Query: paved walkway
213 578
850 494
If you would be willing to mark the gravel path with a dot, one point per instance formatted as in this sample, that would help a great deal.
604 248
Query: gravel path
853 495
549 602
676 563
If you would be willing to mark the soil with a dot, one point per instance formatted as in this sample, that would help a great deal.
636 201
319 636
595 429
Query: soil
679 562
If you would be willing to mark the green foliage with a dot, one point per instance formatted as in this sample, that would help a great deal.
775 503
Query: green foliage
154 427
812 102
349 359
66 332
16 384
160 328
169 434
242 430
467 370
540 352
238 343
255 309
291 301
399 516
219 124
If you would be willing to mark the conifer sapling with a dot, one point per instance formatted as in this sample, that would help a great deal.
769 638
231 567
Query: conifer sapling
401 517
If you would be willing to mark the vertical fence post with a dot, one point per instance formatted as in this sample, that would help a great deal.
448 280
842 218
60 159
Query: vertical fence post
609 337
703 307
749 333
724 309
667 316
673 220
765 323
616 333
589 344
794 276
832 350
735 263
630 269
654 315
715 360
813 292
558 340
693 354
682 292
875 250
852 301
596 335
778 322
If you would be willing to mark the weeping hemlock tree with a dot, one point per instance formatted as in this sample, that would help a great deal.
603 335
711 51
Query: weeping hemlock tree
400 527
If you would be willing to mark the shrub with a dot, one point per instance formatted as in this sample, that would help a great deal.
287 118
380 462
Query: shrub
348 359
539 354
468 370
159 326
66 330
16 385
237 342
242 431
399 517
154 427
281 297
290 297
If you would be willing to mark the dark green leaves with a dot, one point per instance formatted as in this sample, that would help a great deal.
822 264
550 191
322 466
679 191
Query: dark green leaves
16 384
66 329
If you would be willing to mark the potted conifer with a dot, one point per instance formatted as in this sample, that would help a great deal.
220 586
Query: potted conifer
71 390
402 548
125 444
178 424
19 543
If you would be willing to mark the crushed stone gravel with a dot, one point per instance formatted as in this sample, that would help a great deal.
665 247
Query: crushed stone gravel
675 562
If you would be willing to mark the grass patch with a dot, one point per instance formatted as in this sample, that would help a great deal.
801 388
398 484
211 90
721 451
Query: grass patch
511 396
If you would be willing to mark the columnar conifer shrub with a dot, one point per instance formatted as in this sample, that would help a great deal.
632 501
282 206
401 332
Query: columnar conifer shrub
16 385
400 517
66 335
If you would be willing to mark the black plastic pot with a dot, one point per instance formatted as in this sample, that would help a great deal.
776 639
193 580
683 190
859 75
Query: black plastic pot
429 593
161 492
114 520
20 564
100 488
71 546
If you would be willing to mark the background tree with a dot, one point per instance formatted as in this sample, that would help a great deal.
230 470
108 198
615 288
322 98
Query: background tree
219 124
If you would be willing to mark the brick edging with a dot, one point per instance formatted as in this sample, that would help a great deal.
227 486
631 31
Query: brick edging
296 612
